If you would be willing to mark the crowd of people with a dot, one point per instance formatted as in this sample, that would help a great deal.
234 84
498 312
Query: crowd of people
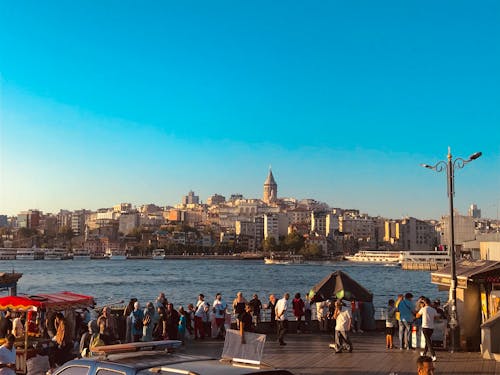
159 320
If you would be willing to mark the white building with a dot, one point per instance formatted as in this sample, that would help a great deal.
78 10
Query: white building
275 225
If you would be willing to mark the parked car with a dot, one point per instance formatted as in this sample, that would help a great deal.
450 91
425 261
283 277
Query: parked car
147 362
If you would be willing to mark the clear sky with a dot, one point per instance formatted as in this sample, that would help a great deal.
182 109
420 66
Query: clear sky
104 102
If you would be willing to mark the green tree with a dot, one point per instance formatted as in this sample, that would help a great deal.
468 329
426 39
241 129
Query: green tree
311 251
270 244
293 242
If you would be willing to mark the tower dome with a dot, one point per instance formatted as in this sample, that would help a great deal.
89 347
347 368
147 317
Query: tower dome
270 188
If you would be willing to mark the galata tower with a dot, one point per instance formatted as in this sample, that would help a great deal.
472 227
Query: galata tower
270 189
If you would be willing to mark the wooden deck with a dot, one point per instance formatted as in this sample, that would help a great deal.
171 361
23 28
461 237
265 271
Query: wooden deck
310 354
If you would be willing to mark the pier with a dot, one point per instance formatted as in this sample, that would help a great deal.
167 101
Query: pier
310 354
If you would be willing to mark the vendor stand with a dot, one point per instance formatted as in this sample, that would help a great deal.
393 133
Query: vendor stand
33 304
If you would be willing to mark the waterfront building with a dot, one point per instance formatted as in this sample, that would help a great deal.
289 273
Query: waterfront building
270 189
324 223
361 227
149 209
464 229
128 222
3 221
122 207
474 211
275 225
190 198
78 219
216 199
63 219
320 241
410 234
299 215
28 219
490 250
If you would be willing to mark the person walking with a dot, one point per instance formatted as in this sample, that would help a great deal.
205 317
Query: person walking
343 322
281 320
428 314
219 308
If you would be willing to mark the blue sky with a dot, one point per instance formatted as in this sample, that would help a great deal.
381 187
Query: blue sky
127 101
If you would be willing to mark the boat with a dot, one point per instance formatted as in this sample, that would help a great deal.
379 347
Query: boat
81 254
56 254
29 254
424 260
7 253
375 256
276 258
117 254
158 254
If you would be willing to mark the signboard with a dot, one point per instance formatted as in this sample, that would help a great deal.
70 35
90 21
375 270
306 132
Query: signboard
250 352
446 280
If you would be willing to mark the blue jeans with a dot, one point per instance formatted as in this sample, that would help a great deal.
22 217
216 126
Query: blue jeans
404 334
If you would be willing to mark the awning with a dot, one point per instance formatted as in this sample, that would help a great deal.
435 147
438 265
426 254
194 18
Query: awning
467 271
55 301
339 285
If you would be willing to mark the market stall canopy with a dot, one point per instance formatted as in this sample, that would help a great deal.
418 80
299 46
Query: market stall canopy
467 270
54 301
339 285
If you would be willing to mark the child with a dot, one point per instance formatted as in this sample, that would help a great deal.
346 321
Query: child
390 324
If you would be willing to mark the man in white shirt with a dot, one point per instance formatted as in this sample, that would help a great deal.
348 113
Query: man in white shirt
343 322
199 317
428 315
8 356
281 321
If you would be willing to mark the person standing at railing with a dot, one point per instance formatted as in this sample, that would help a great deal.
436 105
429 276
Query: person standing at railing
281 320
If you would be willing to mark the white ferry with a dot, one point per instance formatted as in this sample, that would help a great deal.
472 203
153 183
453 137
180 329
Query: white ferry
29 254
375 256
284 259
158 254
7 253
425 260
81 254
117 254
56 254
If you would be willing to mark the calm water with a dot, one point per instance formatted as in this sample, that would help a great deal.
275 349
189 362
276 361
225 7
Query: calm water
183 280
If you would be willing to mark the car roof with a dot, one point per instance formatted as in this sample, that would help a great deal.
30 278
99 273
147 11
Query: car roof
163 362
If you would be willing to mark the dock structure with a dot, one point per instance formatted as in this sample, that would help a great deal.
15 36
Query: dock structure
309 354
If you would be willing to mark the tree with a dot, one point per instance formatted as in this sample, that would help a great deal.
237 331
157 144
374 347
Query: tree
310 251
293 242
270 244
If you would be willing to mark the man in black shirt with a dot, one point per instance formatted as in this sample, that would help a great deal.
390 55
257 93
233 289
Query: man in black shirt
246 324
5 325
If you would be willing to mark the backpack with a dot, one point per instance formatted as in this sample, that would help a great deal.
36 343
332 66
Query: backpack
147 320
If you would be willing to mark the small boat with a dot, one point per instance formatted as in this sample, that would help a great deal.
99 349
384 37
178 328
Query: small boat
81 254
29 254
276 258
158 254
117 254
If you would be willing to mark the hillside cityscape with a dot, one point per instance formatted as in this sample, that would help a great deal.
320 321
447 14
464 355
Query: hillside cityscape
240 225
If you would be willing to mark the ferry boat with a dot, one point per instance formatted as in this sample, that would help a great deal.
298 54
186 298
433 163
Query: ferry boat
275 258
423 260
158 254
56 254
7 253
117 254
81 254
375 256
29 254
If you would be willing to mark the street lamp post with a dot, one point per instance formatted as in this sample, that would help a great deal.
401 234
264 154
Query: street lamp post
449 166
